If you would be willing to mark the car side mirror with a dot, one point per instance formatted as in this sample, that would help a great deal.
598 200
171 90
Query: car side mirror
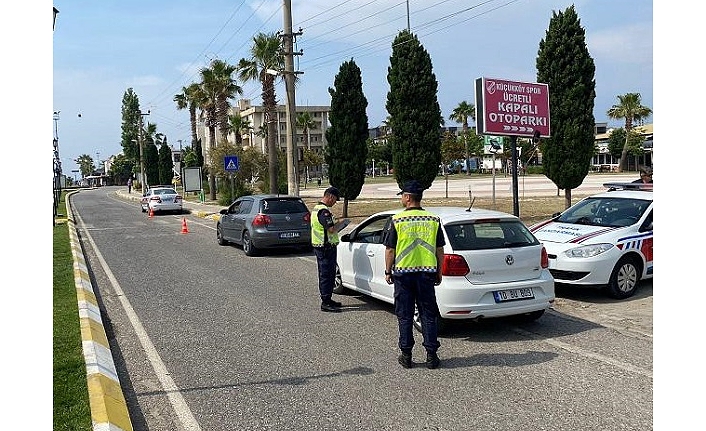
345 238
223 211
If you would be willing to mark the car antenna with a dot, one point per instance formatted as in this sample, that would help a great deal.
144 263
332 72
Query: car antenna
470 198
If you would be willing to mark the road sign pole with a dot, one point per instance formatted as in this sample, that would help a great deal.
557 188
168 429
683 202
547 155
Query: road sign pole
515 197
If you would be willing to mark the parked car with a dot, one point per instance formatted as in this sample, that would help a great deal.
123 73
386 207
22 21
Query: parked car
603 240
161 199
493 266
260 222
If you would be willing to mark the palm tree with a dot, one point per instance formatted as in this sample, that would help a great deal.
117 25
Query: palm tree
630 108
306 123
238 125
217 87
189 98
460 115
265 54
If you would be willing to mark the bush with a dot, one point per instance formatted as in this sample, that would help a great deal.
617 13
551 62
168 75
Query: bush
226 195
535 169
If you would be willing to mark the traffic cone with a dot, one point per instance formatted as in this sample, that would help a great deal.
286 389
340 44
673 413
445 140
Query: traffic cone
151 214
184 229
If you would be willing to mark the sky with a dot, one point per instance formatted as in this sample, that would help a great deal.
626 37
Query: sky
102 48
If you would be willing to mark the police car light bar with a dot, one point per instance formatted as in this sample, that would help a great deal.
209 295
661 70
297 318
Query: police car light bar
629 186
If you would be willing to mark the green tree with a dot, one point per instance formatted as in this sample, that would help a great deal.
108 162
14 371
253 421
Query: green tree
305 123
474 144
346 151
564 63
189 158
166 164
130 126
617 139
218 86
85 165
452 149
629 108
189 98
415 115
460 115
265 54
121 169
151 139
238 125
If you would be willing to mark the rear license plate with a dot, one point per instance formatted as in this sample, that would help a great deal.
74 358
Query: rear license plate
285 235
513 294
166 200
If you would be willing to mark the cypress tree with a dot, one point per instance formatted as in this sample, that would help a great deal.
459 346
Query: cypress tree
166 164
347 148
129 129
415 115
563 62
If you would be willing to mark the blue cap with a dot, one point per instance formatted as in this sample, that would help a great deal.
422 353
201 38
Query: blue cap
413 187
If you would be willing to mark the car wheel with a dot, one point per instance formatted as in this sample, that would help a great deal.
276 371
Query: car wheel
441 324
623 280
248 246
338 287
143 209
219 236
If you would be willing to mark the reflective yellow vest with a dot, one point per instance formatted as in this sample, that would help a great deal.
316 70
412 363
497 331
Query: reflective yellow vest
416 241
317 229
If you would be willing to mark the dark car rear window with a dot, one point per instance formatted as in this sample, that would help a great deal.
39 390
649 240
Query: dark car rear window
283 206
489 235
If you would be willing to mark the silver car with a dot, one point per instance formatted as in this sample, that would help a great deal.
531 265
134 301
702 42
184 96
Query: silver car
493 266
260 222
161 199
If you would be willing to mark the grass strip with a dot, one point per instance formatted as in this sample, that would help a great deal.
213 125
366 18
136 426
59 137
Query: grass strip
72 411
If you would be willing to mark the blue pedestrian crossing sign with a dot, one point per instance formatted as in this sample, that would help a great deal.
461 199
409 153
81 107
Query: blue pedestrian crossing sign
230 163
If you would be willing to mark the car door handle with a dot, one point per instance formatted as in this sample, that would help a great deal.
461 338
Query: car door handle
370 253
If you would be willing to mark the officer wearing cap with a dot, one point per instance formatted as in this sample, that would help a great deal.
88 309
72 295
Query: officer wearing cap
324 239
414 251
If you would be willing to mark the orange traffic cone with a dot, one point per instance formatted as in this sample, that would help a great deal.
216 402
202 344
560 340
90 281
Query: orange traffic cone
151 214
184 229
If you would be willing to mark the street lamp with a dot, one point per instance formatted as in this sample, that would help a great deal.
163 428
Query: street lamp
57 167
143 179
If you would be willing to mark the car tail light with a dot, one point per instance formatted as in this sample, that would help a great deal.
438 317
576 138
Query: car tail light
261 220
307 218
545 258
177 198
156 199
454 264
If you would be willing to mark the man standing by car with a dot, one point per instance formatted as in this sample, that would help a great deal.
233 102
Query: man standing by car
324 239
414 251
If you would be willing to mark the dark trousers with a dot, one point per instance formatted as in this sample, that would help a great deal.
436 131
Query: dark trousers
326 262
411 288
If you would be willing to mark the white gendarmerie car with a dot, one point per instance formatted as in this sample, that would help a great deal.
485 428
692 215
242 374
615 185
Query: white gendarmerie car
493 266
603 240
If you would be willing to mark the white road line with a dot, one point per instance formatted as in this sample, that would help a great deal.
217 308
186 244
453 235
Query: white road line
181 408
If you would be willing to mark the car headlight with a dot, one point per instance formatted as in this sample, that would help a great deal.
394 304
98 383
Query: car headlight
588 250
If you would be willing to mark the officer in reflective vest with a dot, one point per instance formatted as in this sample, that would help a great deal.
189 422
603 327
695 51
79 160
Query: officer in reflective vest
414 251
324 239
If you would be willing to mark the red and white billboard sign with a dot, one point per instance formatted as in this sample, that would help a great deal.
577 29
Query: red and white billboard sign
510 108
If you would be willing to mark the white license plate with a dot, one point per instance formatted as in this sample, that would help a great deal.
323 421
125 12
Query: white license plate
513 294
166 200
285 235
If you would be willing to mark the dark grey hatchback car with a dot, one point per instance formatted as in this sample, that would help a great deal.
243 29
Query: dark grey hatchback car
260 222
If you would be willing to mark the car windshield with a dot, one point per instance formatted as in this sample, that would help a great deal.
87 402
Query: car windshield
489 235
164 192
283 206
605 211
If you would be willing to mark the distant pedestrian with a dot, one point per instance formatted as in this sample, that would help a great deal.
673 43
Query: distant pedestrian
645 175
414 251
324 239
129 185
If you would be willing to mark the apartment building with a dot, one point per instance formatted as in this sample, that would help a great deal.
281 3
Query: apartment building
255 115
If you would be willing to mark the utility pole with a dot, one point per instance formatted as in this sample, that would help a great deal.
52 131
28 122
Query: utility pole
408 16
143 179
288 42
57 169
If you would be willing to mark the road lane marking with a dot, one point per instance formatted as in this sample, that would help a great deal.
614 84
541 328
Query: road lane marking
181 408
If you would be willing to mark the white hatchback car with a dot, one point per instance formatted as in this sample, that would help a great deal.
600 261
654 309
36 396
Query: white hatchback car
603 240
493 266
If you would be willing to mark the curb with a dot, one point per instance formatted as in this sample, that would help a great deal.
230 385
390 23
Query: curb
108 406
